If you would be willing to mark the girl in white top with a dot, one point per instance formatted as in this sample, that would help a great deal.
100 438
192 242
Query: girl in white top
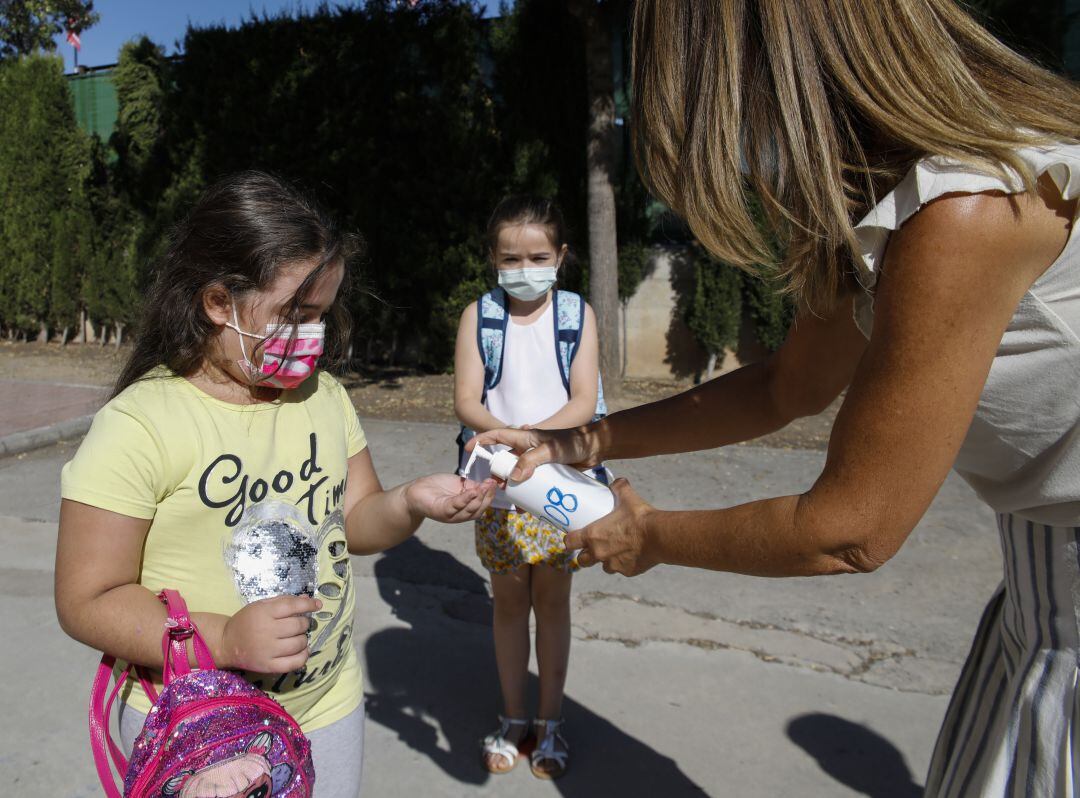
923 180
530 568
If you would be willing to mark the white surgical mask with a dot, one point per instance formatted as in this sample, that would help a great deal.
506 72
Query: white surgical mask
527 284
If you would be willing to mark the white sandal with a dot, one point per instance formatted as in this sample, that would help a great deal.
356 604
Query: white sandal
547 734
496 744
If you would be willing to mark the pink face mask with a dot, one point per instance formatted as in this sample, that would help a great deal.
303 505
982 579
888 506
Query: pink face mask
285 363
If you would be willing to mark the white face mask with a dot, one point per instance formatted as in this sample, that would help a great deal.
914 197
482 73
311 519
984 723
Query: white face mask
527 284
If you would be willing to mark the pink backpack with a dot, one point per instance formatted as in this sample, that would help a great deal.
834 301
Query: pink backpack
208 730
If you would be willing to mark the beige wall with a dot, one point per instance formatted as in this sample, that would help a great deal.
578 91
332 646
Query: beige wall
657 343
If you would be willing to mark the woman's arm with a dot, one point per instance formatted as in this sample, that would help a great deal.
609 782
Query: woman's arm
377 519
469 377
811 368
584 380
813 365
100 603
953 277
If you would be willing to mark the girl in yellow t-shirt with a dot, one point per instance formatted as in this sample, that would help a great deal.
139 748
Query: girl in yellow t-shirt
228 467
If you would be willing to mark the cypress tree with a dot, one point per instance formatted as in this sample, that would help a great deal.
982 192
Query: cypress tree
44 162
714 312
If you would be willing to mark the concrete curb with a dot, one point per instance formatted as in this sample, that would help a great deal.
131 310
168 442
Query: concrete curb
28 440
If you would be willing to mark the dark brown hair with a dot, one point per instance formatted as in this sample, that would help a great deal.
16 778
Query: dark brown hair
521 209
241 233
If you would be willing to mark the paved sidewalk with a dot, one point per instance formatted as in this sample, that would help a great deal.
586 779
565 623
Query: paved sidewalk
35 414
27 405
681 682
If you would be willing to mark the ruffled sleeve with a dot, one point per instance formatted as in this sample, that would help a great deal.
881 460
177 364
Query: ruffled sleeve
933 177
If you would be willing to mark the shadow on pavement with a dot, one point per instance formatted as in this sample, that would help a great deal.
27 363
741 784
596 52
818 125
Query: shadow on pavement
854 755
439 677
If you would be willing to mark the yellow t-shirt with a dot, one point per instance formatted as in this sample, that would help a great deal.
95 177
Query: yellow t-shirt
246 503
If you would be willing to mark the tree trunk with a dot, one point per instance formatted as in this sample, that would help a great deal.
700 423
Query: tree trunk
710 369
119 334
600 154
623 347
81 337
43 333
64 335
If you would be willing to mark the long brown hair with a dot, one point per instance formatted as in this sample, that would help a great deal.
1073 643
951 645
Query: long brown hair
241 233
818 107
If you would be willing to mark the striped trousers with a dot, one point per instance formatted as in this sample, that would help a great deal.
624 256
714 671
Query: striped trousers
1013 724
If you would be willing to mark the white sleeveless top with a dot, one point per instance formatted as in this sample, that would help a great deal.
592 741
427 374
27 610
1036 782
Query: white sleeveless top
1022 451
531 387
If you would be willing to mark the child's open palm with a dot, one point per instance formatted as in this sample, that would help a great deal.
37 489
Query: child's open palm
449 498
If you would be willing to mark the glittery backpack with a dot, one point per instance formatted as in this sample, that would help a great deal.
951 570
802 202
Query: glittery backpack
209 733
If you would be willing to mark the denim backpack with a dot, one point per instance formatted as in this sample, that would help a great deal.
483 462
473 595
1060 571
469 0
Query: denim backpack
492 317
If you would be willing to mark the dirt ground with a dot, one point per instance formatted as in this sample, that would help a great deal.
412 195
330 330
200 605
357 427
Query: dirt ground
386 394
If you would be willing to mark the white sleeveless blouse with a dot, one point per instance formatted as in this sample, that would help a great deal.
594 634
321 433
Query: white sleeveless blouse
1022 451
531 387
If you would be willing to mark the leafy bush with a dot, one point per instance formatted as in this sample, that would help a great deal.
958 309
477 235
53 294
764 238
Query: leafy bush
714 310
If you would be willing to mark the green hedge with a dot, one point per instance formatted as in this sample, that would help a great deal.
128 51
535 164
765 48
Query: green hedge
721 297
409 124
44 167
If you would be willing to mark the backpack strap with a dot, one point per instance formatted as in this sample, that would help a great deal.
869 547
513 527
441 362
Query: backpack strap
492 316
568 316
101 742
569 321
178 628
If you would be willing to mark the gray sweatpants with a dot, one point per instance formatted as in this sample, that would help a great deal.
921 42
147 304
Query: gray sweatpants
337 751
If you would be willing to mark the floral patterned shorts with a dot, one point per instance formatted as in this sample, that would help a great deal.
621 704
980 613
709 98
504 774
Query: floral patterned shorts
507 540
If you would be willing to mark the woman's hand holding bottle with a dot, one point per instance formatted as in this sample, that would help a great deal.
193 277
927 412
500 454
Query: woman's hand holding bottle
577 447
621 540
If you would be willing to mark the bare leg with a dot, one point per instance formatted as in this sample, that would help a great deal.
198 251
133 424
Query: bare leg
551 603
510 628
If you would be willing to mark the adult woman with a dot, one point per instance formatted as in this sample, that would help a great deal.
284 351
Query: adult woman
923 181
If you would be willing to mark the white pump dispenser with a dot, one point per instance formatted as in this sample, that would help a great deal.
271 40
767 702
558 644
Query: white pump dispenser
557 493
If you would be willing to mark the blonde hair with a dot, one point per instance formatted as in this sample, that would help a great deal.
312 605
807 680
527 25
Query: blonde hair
818 107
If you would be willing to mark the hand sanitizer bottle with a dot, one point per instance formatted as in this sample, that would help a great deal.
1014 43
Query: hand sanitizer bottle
559 494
